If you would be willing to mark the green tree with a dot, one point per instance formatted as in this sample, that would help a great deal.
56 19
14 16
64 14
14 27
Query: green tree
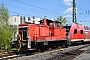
4 14
5 29
61 19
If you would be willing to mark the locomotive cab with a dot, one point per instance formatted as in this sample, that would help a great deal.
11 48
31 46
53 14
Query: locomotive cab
23 38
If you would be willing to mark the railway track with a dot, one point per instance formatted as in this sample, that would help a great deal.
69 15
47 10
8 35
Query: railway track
7 55
16 54
70 54
67 54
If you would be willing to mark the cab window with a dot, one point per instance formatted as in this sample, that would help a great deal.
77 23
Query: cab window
81 31
75 31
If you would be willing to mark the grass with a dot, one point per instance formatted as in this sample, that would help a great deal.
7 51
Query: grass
7 50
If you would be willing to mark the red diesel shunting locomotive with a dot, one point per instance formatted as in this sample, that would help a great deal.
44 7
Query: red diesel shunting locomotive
47 34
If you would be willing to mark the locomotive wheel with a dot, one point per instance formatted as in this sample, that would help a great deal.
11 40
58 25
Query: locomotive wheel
41 49
49 48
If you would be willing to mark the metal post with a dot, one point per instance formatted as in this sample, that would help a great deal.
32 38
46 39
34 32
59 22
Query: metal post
74 12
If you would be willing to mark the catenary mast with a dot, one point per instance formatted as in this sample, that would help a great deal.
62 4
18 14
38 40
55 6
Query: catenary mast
74 12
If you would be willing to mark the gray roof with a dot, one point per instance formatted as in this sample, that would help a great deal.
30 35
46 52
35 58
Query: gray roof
68 24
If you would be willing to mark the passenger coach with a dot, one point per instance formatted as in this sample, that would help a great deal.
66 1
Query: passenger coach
77 32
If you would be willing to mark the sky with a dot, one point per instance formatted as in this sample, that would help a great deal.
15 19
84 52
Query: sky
50 8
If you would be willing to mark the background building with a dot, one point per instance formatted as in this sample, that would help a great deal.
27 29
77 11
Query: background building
16 20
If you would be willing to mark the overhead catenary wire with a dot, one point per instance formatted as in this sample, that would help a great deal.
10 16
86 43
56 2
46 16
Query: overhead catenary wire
37 7
31 10
53 4
20 13
81 8
83 3
86 11
48 2
23 14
